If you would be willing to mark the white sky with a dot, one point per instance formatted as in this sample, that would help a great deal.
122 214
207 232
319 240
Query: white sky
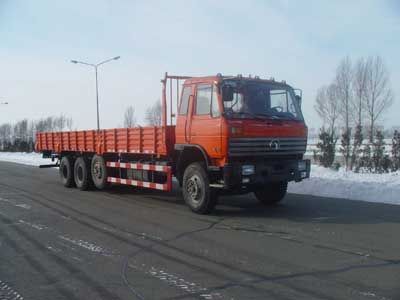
301 42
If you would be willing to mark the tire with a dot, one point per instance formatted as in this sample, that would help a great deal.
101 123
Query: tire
67 172
272 193
196 189
99 173
82 174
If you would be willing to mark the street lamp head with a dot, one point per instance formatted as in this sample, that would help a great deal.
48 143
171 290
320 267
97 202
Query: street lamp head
97 90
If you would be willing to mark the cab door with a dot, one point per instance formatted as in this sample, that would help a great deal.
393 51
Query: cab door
205 128
184 116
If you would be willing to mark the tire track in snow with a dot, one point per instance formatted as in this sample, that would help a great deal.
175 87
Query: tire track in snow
79 274
83 244
77 242
8 293
21 205
33 225
180 283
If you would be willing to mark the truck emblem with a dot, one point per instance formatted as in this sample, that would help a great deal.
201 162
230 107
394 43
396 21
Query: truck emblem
273 145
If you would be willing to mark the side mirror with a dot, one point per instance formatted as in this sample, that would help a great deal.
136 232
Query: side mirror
298 99
227 93
298 95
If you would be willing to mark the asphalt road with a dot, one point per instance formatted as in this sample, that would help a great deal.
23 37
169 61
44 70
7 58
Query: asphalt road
58 243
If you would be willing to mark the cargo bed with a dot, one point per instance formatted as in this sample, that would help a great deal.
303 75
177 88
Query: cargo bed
139 140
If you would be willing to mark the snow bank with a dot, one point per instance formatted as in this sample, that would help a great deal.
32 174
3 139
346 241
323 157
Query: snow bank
325 182
31 159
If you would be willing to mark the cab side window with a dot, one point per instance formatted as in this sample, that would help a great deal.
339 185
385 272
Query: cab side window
214 103
207 100
203 101
187 91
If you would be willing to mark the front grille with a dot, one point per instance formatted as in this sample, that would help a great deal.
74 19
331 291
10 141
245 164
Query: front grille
267 146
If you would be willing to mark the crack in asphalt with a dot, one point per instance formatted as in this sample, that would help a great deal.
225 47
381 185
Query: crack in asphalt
150 247
281 235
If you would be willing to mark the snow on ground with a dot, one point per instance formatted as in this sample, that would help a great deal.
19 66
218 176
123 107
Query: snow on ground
324 182
32 159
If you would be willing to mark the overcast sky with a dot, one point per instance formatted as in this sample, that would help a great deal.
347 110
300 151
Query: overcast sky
299 41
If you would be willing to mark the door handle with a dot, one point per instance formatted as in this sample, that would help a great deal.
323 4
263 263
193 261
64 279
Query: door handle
186 140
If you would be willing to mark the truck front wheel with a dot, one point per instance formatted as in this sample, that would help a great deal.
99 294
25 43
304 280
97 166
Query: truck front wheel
67 172
99 172
273 193
198 194
82 174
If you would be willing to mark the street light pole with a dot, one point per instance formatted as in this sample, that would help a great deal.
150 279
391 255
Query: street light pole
95 66
97 100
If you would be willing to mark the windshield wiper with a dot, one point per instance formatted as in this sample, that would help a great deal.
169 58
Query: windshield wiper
292 117
267 116
286 117
245 113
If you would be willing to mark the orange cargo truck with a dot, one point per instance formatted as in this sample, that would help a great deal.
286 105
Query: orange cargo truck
225 134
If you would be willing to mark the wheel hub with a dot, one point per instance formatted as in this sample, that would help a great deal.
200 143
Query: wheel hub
193 188
80 173
97 170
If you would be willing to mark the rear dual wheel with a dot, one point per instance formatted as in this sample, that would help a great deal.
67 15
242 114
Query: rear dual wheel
82 175
66 170
75 172
99 172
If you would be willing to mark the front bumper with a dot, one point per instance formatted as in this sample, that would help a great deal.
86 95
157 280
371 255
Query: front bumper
264 173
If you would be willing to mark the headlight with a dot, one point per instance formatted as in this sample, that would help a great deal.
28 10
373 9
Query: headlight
302 165
248 170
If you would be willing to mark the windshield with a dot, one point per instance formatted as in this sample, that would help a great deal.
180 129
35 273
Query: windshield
261 100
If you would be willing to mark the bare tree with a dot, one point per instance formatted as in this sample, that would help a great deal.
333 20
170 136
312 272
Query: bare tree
129 117
31 134
69 123
45 124
327 106
153 114
48 124
60 123
359 85
21 130
379 95
343 81
5 135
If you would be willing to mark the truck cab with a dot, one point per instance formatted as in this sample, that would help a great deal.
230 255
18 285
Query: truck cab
248 133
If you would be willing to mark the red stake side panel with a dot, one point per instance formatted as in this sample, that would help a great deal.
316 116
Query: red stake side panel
143 140
136 166
150 185
167 186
